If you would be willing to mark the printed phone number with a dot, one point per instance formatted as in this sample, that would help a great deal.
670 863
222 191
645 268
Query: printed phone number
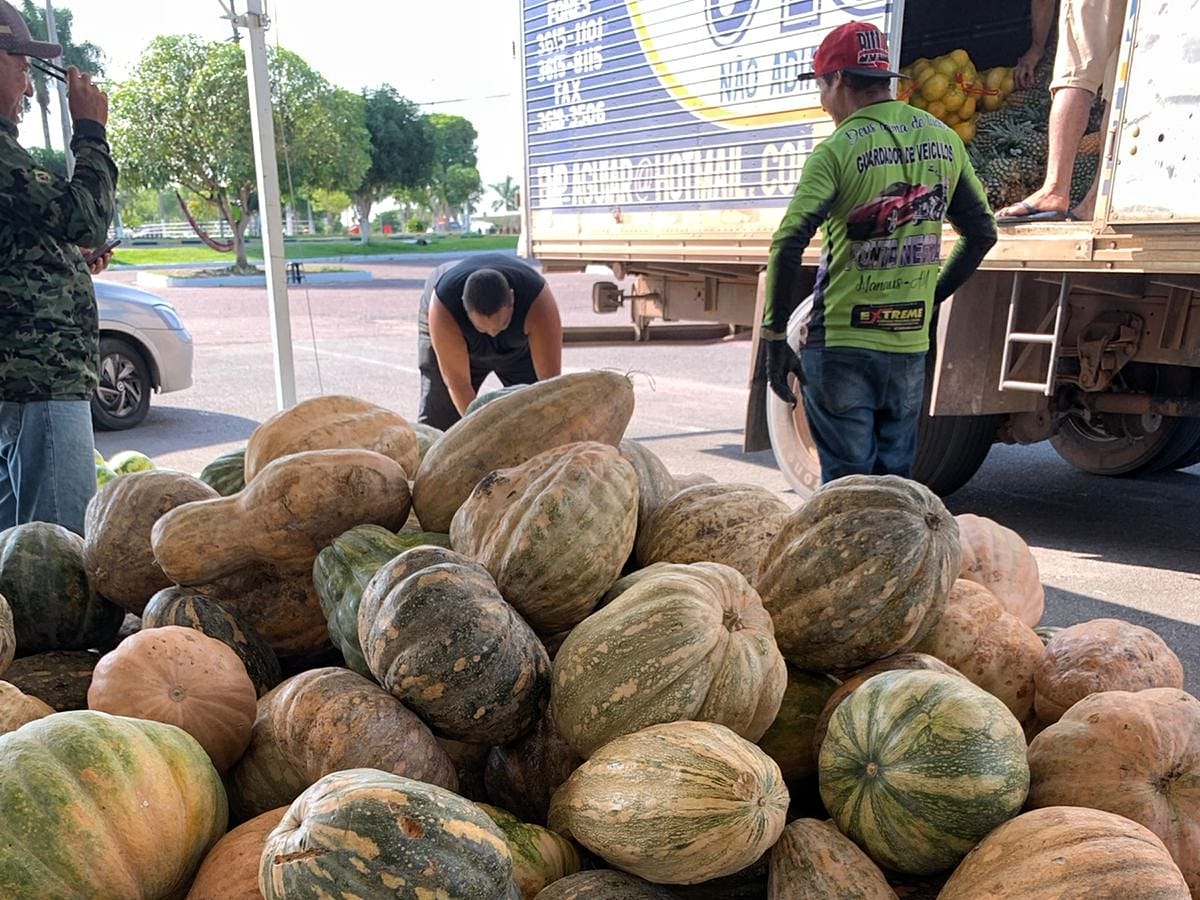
577 115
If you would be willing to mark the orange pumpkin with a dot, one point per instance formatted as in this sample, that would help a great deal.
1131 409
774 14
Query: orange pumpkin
17 707
185 678
1000 560
1101 655
993 648
230 870
1133 753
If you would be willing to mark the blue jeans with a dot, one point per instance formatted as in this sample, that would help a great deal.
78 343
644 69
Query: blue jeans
863 407
47 464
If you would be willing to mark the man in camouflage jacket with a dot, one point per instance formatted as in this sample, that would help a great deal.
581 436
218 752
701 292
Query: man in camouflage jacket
49 325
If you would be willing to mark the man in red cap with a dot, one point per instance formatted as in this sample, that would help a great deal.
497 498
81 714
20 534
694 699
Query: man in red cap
879 188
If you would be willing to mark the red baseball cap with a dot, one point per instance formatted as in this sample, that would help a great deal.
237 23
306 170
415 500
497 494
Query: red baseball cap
856 47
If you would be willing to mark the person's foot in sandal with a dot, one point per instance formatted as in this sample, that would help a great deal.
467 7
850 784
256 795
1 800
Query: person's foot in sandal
1036 209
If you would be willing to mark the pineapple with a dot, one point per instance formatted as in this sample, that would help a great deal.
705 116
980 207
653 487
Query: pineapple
1086 168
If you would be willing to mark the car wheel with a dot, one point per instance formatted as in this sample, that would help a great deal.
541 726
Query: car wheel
122 398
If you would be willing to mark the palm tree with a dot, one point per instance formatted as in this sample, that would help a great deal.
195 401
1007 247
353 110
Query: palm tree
509 195
86 56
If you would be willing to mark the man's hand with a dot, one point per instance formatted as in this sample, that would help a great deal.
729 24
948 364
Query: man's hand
782 361
1023 70
84 99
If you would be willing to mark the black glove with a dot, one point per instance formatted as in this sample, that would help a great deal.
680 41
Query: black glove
782 361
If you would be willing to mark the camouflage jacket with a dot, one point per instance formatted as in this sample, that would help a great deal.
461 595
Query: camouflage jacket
49 326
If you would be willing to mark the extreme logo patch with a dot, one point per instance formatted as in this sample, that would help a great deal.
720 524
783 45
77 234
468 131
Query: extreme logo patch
889 316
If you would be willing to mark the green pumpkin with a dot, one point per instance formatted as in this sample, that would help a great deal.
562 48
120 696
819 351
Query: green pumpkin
488 396
227 473
604 884
789 740
540 857
367 833
342 570
437 634
100 807
918 766
860 571
192 609
54 607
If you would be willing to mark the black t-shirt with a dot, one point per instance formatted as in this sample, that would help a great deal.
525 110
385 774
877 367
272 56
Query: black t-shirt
526 284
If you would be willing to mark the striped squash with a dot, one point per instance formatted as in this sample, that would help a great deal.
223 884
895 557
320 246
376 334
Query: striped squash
725 523
100 807
366 833
688 642
437 634
918 766
1065 852
539 856
678 803
581 406
604 884
227 473
342 570
814 861
859 572
554 531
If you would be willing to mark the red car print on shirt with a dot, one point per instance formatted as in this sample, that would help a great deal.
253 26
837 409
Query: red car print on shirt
898 205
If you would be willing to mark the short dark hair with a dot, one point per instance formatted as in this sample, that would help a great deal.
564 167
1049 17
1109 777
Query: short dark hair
857 83
486 292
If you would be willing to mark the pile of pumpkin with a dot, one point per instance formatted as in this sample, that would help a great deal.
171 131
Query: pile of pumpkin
522 659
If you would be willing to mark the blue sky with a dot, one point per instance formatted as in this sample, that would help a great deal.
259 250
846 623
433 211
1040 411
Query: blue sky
451 56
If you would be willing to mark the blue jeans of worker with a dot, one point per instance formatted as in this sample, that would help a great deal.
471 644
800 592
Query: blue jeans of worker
863 407
47 462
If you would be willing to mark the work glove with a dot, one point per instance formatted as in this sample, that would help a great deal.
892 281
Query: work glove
782 361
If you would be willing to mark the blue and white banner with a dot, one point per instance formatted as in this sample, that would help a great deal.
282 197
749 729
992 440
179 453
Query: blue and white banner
673 103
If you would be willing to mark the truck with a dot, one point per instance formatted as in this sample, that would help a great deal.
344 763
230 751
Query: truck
664 139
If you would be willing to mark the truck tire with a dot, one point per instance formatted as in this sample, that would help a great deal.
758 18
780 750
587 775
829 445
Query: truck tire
1108 448
1188 458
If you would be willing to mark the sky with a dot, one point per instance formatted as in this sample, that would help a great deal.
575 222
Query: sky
449 56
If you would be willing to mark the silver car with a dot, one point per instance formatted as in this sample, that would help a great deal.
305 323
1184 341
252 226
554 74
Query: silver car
144 347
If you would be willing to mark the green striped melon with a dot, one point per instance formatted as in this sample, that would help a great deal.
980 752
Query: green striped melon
539 856
860 571
688 642
367 833
918 766
227 473
101 807
678 803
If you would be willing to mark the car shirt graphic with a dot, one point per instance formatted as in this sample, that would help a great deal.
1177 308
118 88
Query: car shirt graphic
899 204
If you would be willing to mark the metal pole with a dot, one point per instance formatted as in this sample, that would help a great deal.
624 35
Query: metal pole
263 125
64 112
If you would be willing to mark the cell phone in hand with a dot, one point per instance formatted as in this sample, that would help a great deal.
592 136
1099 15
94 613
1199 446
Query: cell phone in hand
95 253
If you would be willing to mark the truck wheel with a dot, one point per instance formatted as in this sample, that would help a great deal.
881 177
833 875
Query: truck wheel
1189 457
1117 444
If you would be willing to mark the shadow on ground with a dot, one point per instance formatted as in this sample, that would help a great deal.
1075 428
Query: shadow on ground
168 429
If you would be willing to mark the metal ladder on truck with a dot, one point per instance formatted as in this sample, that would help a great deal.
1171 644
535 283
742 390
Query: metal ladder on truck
1030 339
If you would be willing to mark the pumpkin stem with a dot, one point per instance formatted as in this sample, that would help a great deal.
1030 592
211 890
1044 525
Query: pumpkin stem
733 620
177 693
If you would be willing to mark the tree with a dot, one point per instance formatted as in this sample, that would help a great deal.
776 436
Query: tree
181 121
86 56
402 145
463 188
454 145
508 195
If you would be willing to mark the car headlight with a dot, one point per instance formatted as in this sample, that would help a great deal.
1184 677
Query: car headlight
169 316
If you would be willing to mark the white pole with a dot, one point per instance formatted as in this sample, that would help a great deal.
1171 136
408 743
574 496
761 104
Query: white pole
270 217
64 113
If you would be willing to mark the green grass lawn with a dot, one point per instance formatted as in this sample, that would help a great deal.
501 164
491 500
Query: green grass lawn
167 251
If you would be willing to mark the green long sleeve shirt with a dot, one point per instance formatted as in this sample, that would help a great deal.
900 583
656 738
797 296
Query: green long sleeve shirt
49 325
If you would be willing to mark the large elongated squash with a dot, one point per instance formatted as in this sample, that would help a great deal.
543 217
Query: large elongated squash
859 572
334 422
554 531
677 803
581 406
366 833
688 642
285 517
100 807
